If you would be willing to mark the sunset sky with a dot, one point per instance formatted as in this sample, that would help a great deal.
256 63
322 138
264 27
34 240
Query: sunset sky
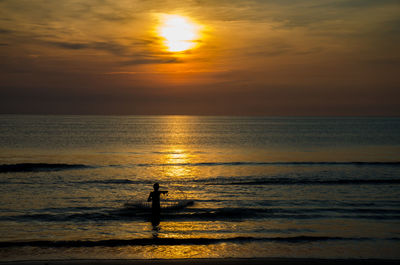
286 57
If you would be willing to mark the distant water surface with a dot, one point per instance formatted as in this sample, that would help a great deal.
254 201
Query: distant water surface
261 186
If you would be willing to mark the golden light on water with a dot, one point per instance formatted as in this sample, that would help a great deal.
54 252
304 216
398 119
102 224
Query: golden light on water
179 33
177 156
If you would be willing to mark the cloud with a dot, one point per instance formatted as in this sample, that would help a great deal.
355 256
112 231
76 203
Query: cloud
136 58
392 27
272 48
5 31
389 62
189 71
111 47
69 45
359 3
151 61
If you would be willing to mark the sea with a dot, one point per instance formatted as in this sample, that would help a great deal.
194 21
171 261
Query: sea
302 187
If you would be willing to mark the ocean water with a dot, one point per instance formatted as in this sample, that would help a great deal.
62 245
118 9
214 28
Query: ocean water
260 187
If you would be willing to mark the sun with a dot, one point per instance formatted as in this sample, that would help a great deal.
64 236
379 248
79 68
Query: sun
179 33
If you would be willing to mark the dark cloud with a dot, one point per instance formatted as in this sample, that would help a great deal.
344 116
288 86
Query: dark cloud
358 3
115 17
273 48
5 31
69 45
144 57
388 62
111 47
151 61
391 26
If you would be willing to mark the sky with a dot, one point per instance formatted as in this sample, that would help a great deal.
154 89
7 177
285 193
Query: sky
269 58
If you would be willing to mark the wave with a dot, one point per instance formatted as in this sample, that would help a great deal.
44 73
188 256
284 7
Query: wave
293 163
38 167
195 214
84 182
294 181
114 181
226 181
176 241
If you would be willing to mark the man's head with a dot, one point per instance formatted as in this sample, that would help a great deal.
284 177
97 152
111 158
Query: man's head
156 186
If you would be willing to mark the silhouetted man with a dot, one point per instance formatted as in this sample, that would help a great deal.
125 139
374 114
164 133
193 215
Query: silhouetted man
154 197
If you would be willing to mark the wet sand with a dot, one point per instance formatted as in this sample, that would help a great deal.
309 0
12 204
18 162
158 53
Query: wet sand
236 261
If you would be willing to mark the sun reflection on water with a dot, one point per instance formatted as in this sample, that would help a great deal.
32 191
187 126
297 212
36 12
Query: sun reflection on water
175 164
177 156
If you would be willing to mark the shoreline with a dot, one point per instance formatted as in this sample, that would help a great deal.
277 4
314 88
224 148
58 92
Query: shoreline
205 261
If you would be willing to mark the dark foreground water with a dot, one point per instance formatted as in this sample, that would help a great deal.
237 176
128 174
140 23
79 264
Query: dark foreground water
261 187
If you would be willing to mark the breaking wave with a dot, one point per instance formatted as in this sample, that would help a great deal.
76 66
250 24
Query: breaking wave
196 214
294 181
38 167
243 163
175 241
